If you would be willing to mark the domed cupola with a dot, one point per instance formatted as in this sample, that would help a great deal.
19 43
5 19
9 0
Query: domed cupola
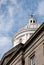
32 20
25 32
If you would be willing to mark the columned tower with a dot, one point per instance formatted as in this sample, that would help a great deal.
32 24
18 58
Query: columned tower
25 32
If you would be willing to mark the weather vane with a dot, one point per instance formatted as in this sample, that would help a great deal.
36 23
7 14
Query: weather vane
31 14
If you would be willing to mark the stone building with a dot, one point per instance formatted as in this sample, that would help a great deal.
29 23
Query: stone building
30 53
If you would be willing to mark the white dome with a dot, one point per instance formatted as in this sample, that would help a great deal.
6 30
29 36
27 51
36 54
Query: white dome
25 32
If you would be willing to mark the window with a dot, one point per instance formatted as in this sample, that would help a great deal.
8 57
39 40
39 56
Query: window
33 21
32 59
30 21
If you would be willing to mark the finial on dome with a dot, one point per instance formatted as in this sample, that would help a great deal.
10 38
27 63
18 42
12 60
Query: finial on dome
31 15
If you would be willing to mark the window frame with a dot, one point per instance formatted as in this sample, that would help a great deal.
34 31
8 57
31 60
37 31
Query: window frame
31 56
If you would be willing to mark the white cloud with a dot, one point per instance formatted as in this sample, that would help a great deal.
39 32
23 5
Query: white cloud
40 9
4 40
5 26
8 25
5 44
11 10
3 1
13 1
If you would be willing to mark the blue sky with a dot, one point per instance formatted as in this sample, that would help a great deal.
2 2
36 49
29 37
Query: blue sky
13 15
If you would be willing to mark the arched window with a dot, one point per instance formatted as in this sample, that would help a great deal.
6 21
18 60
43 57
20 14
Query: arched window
33 21
30 21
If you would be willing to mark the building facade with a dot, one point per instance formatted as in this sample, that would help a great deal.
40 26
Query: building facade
30 53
